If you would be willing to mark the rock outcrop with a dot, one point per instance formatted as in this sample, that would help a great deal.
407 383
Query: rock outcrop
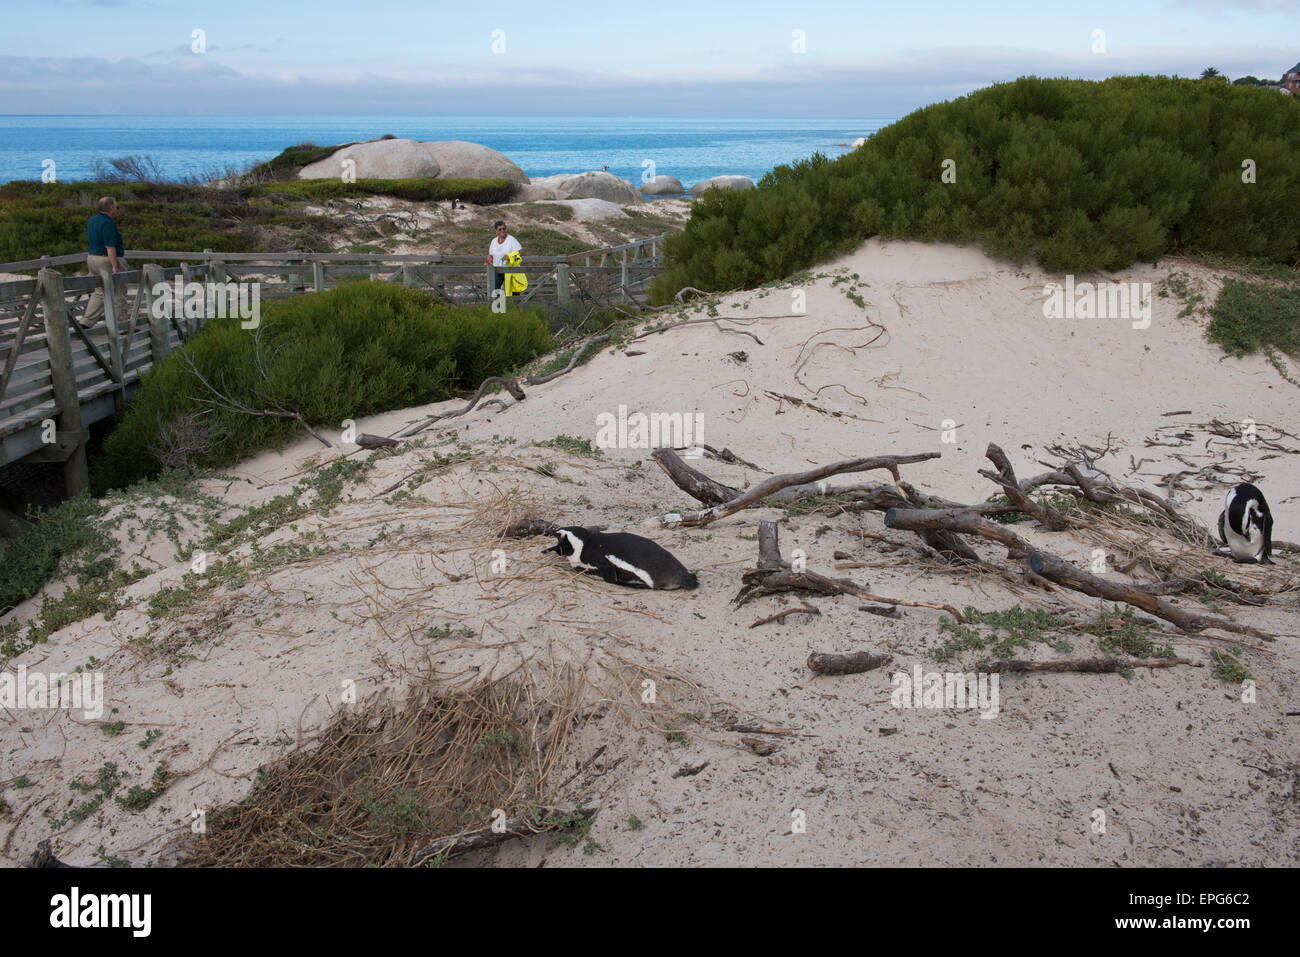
378 159
458 159
663 186
591 185
722 182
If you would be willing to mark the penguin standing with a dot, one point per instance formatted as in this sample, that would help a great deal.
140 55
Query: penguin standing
1246 525
622 559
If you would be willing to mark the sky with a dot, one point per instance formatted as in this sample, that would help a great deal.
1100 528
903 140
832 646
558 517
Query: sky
666 58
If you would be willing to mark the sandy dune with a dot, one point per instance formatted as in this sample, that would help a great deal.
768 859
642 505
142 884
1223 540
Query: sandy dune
1184 771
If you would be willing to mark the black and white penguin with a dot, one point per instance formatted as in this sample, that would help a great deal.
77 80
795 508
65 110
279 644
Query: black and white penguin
622 559
1246 525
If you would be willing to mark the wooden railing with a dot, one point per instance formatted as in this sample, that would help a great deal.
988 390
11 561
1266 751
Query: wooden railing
57 378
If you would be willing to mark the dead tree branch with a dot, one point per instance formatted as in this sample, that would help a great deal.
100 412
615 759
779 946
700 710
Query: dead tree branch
1099 666
773 574
573 361
777 482
510 385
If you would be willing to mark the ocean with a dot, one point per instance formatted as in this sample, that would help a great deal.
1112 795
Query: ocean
691 149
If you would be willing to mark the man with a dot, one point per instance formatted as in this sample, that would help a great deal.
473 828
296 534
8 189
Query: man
500 248
106 251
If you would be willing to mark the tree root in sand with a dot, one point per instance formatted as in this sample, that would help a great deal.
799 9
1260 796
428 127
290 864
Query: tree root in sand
851 664
1098 666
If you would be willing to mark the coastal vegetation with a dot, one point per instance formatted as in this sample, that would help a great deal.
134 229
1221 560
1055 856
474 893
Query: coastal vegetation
1076 175
356 350
49 219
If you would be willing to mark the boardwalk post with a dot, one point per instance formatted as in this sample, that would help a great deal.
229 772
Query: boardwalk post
562 283
408 275
114 338
191 323
491 281
622 276
76 476
318 276
159 340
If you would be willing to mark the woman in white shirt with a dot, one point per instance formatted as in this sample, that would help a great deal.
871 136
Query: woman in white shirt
500 248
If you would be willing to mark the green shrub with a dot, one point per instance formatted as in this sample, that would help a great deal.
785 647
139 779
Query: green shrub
49 219
1078 175
1250 317
481 191
363 348
32 557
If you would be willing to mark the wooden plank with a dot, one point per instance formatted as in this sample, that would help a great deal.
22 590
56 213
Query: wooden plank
76 475
16 349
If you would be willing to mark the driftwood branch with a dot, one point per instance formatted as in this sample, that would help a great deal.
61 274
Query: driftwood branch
851 664
1100 666
807 609
773 574
510 385
692 481
1061 572
573 361
368 441
486 837
778 482
1006 478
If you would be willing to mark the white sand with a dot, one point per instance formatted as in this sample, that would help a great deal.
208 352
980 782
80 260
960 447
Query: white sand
1185 773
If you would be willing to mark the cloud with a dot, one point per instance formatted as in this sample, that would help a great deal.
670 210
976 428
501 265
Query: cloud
1222 6
883 86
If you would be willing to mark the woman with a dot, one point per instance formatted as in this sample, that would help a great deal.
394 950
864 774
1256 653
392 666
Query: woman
500 248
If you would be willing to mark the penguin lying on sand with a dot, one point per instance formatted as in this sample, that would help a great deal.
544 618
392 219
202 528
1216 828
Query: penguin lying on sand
622 559
1246 525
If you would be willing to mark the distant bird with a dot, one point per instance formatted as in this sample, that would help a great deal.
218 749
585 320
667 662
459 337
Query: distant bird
604 169
622 559
1246 525
358 205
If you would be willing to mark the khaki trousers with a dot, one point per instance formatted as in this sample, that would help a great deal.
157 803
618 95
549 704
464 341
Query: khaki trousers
95 308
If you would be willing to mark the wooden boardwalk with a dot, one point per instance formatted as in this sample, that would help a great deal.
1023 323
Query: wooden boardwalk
56 379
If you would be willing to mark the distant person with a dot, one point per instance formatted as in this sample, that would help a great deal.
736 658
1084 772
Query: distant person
105 251
500 248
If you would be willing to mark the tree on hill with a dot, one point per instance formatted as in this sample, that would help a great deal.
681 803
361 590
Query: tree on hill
1210 73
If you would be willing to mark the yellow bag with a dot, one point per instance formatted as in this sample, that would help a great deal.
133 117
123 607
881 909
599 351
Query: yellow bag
515 281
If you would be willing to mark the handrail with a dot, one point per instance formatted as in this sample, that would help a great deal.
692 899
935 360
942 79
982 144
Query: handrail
301 257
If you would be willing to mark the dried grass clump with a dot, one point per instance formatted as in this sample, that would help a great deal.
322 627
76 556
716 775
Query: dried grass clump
388 786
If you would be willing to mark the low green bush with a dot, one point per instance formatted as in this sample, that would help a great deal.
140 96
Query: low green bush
359 349
480 191
1251 317
1078 175
32 557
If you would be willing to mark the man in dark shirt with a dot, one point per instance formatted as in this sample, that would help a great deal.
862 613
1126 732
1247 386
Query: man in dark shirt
106 252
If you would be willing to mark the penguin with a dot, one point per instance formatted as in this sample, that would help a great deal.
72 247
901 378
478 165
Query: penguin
622 559
1246 525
